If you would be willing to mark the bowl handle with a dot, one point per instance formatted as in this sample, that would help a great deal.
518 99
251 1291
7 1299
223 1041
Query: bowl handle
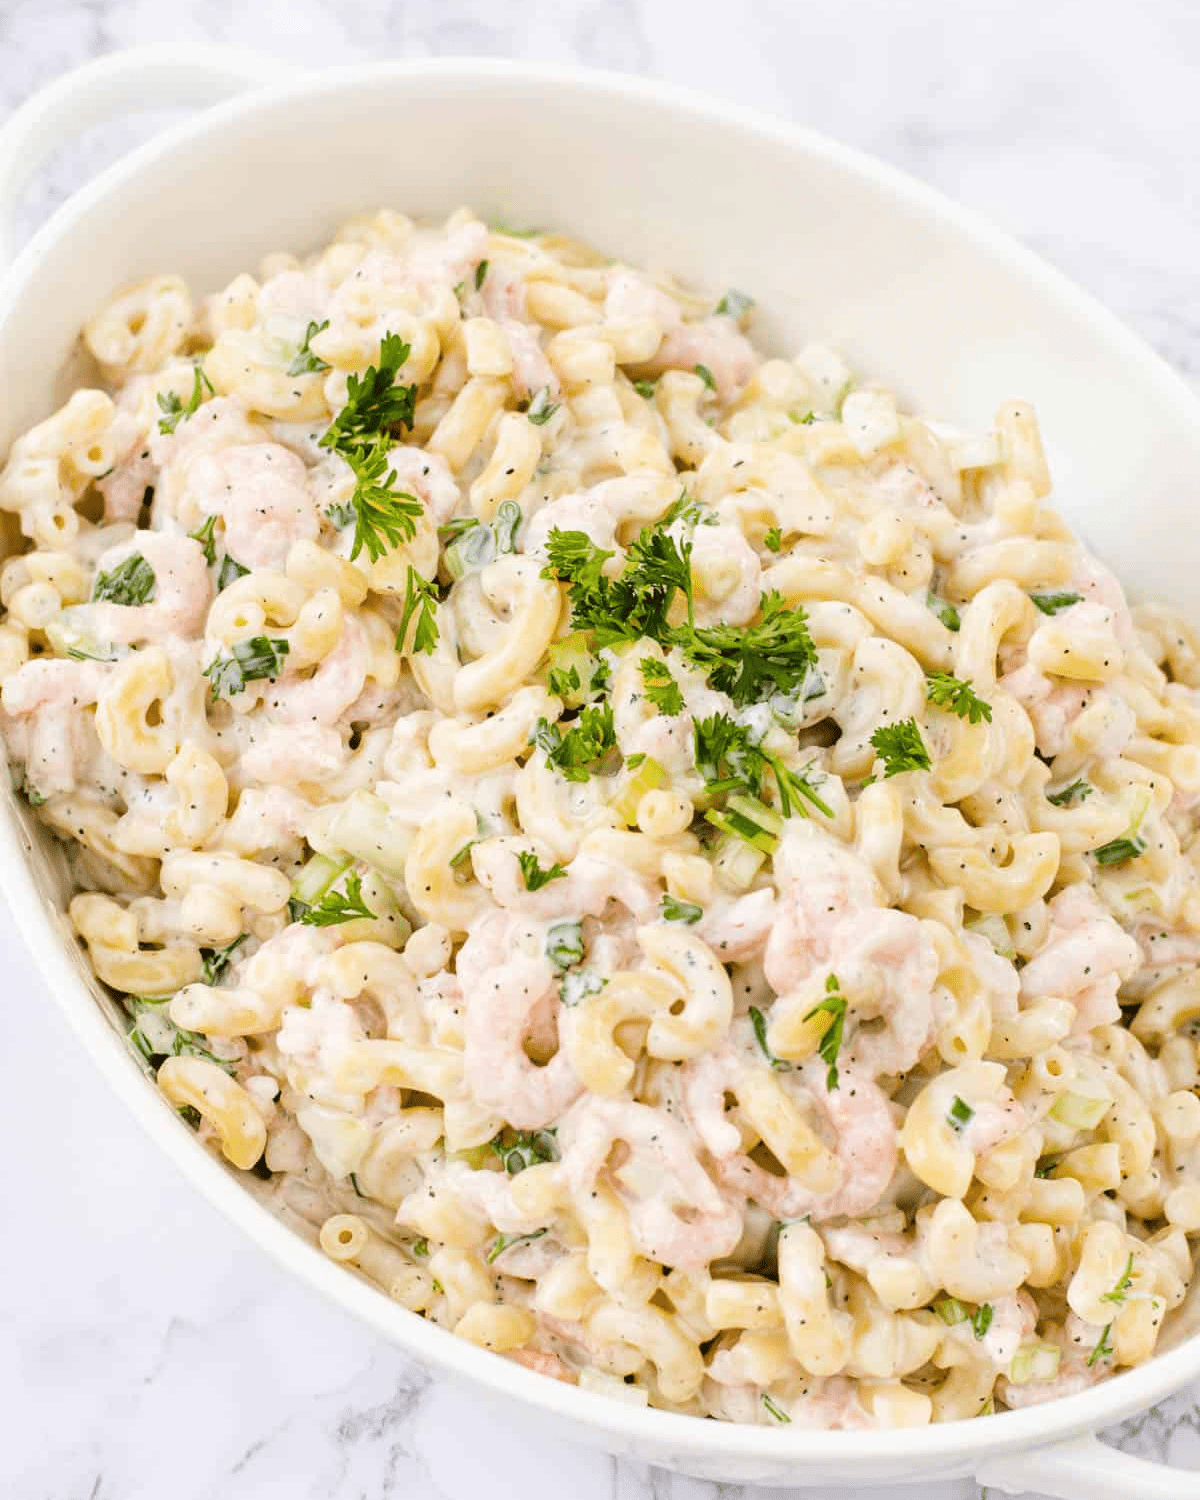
1084 1468
107 89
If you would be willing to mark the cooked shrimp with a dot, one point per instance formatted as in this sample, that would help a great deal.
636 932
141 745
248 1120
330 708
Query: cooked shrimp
1084 959
261 492
180 596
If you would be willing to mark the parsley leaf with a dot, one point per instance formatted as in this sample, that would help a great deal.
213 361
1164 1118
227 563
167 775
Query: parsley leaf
421 599
524 1149
173 409
774 656
759 1022
645 389
249 661
1080 789
306 362
383 516
590 736
130 582
1103 1348
945 612
674 910
661 688
833 1006
481 271
706 375
981 1321
564 944
375 404
957 696
541 408
204 535
901 748
960 1114
335 908
507 1241
231 571
1050 604
773 541
535 877
730 761
217 960
774 1409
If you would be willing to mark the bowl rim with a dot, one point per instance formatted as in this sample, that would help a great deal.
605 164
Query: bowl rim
48 940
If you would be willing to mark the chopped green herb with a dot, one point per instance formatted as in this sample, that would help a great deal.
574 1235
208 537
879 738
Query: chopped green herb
1050 604
645 389
535 877
564 944
341 515
204 535
564 684
633 761
1103 1348
1124 1282
249 661
1119 851
463 854
982 1320
956 696
335 908
834 1006
173 409
773 541
661 688
481 271
578 984
217 960
231 570
674 910
1045 1168
759 1022
806 420
754 662
960 1114
420 1248
306 362
354 1184
1080 789
130 582
505 525
901 748
945 612
541 408
154 1036
706 375
420 599
730 761
591 736
520 1149
507 1241
375 404
774 1409
383 516
734 304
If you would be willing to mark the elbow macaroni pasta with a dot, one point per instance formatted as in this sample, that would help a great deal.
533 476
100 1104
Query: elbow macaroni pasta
879 1106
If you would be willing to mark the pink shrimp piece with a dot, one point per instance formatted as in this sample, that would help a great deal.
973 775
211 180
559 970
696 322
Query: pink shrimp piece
738 590
504 303
715 342
737 930
428 477
219 423
544 1364
1102 588
887 953
132 475
182 591
260 490
819 881
500 999
590 883
1085 959
687 1221
446 258
1052 706
294 754
43 699
293 294
337 681
1014 1318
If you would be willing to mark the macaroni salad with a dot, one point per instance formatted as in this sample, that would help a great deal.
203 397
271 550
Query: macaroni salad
677 869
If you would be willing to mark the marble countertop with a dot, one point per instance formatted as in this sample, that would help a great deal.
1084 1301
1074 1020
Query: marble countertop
127 1303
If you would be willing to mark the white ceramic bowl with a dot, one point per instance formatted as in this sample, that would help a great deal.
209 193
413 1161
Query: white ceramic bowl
834 246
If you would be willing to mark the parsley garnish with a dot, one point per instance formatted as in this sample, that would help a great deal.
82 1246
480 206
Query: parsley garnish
541 408
960 1114
578 984
806 420
564 944
334 908
173 409
834 1006
525 1149
957 696
507 1241
130 582
1103 1347
420 1248
734 304
774 656
590 736
661 688
204 535
155 1036
261 656
306 362
730 761
945 612
1050 604
340 515
1119 851
773 541
759 1022
674 910
1081 789
1124 1282
564 684
463 854
706 375
420 598
217 960
481 271
535 877
901 748
645 389
231 571
383 516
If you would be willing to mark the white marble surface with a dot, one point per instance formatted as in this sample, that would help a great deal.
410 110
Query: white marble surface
129 1311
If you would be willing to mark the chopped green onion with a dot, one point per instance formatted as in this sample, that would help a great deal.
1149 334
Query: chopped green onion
1034 1362
674 910
564 944
759 1022
960 1114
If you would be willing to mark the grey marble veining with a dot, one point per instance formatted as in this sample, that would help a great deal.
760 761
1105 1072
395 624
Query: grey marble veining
145 1348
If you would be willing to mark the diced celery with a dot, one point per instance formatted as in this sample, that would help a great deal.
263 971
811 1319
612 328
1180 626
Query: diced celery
1078 1112
572 654
362 827
742 827
871 420
1034 1362
470 550
827 372
975 451
736 863
996 931
647 778
316 877
758 812
951 1311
